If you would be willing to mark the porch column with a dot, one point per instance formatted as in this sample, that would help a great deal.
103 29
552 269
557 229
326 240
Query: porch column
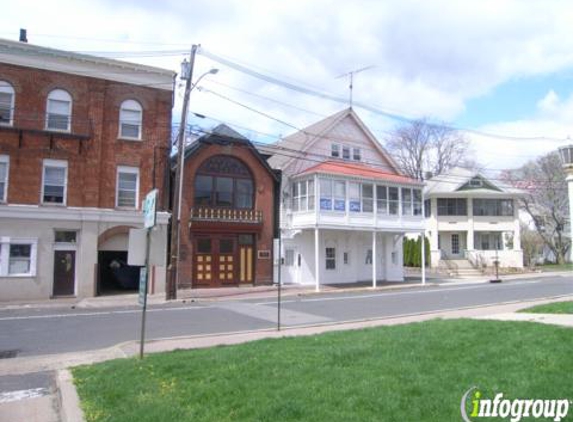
470 237
423 242
316 260
374 259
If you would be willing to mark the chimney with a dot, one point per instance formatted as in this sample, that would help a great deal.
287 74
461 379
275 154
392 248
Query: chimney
23 35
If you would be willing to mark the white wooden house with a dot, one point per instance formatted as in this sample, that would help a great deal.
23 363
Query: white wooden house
345 205
469 217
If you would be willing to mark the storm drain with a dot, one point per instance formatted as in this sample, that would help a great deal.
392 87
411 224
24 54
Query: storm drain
7 354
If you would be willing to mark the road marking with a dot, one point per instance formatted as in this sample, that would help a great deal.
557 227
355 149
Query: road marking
270 314
386 294
130 311
32 393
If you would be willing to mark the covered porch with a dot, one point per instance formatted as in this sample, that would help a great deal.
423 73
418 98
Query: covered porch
334 256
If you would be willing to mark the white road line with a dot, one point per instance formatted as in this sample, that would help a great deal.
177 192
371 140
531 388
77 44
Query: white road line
32 393
386 294
74 315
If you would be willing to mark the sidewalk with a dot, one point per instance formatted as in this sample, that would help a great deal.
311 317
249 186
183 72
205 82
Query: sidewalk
258 292
67 402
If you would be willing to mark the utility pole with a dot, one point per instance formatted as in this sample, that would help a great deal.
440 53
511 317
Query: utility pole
351 80
173 278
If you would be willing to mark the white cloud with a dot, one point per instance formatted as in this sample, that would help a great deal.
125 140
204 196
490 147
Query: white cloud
430 56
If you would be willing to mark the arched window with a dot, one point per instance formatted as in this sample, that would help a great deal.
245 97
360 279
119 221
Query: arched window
130 116
224 182
6 104
59 111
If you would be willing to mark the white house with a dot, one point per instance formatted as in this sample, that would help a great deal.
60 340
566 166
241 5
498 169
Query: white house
469 217
345 205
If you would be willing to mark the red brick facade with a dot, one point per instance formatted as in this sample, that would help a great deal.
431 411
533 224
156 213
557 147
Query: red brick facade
264 196
92 148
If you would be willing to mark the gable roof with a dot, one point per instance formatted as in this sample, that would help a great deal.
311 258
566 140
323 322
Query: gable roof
224 135
305 138
458 177
336 168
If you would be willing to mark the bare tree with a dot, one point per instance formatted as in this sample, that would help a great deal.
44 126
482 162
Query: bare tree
531 244
420 147
546 201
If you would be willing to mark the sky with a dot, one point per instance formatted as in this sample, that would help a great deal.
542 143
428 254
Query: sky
500 71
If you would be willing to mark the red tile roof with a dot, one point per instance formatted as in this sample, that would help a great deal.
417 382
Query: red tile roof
359 170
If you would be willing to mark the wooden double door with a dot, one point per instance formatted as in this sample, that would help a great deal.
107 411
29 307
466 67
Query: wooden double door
223 260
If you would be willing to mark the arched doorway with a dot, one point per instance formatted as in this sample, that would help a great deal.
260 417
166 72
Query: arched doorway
114 275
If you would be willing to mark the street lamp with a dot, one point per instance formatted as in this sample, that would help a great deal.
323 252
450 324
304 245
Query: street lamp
566 154
187 75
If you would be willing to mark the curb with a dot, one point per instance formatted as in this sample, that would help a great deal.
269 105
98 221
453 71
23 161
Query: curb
70 410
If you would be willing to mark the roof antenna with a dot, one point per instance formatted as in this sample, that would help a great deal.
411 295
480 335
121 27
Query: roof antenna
351 80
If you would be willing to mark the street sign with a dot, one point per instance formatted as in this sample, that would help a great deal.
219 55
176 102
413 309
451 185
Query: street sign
149 205
142 286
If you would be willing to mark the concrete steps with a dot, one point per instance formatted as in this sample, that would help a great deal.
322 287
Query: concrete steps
461 268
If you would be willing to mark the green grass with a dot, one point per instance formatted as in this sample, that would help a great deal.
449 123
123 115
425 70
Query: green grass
415 372
551 308
556 267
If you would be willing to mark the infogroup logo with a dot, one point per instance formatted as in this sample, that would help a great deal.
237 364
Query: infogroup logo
512 409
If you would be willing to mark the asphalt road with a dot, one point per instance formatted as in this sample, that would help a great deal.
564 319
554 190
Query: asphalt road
29 332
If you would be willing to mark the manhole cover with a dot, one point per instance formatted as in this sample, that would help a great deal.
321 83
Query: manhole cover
7 354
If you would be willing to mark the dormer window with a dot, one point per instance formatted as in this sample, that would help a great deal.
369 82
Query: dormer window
59 111
476 183
335 150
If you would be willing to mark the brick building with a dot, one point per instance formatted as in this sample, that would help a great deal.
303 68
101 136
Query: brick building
82 140
229 213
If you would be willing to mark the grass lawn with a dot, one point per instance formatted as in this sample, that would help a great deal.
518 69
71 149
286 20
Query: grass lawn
551 308
415 372
556 267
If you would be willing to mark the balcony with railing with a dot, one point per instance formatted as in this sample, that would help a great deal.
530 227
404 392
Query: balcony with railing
221 218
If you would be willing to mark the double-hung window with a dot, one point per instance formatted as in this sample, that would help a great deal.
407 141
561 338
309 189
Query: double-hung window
356 154
345 152
130 118
393 200
59 111
332 195
4 171
367 197
127 188
6 104
406 201
18 257
335 150
354 197
382 200
452 206
417 201
54 182
330 258
303 195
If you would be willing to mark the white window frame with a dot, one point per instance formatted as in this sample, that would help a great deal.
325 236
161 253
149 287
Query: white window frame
130 106
335 150
346 152
128 170
61 96
356 154
330 258
5 243
308 197
7 88
5 159
59 164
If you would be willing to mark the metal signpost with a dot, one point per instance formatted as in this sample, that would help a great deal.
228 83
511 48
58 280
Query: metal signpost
149 213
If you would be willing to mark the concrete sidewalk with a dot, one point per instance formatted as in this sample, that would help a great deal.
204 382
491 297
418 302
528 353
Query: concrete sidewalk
258 292
66 403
